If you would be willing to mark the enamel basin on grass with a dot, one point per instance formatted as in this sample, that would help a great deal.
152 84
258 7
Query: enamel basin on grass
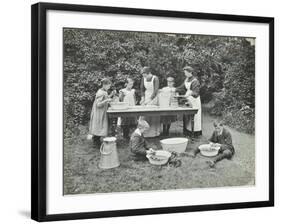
161 157
208 150
174 144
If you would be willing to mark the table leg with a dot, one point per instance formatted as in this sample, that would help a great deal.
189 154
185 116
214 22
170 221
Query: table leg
192 126
184 125
112 124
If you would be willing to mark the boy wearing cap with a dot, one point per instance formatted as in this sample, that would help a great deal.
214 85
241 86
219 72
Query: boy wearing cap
138 145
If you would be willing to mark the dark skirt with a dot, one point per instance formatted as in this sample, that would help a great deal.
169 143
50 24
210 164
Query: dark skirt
168 119
129 121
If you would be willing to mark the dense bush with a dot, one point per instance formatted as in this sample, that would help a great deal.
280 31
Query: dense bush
224 66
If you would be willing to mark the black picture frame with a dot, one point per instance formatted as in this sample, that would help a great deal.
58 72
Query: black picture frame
39 122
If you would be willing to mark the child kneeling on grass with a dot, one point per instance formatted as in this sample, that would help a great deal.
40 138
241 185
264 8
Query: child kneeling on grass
221 137
138 144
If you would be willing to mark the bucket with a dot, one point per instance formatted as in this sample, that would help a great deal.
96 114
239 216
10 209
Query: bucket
109 155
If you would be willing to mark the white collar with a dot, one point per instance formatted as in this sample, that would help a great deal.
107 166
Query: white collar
137 131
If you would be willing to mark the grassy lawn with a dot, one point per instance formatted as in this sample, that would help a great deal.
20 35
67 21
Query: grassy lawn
82 175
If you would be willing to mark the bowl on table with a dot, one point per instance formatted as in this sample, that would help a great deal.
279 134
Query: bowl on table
150 106
174 144
141 107
119 106
208 150
161 157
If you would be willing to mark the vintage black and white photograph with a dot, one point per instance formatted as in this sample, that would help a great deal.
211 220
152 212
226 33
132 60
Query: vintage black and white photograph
147 111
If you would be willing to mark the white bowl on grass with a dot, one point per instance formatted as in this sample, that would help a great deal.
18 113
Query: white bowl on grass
161 157
174 144
208 150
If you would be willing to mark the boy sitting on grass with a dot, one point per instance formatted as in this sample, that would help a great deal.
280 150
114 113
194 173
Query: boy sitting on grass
138 145
221 137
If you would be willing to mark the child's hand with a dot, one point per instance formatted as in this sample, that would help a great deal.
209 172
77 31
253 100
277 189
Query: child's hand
142 101
150 151
89 137
112 93
146 103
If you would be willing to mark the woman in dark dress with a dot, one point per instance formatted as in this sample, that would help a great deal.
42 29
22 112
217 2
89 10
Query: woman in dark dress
191 87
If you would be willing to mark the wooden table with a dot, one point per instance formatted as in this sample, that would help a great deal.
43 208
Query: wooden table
150 111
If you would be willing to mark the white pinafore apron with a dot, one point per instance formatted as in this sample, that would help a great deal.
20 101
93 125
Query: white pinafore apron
129 97
196 103
154 122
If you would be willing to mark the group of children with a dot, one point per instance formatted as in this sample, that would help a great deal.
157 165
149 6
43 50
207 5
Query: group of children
138 144
99 123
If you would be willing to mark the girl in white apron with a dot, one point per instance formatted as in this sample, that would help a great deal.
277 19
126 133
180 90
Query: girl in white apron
153 121
165 100
127 95
191 85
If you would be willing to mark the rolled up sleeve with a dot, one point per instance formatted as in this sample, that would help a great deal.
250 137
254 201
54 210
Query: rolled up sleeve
195 88
156 87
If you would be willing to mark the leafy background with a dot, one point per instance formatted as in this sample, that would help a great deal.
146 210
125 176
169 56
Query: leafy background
225 67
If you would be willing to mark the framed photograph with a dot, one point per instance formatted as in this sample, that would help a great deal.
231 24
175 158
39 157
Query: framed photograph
140 111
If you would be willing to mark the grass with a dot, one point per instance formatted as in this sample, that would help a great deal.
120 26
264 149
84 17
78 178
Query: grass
82 175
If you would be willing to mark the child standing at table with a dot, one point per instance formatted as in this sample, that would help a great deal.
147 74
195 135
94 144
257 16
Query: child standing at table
99 121
128 95
168 92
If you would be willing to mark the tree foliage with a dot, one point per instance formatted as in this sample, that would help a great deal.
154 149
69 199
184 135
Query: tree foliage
225 67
